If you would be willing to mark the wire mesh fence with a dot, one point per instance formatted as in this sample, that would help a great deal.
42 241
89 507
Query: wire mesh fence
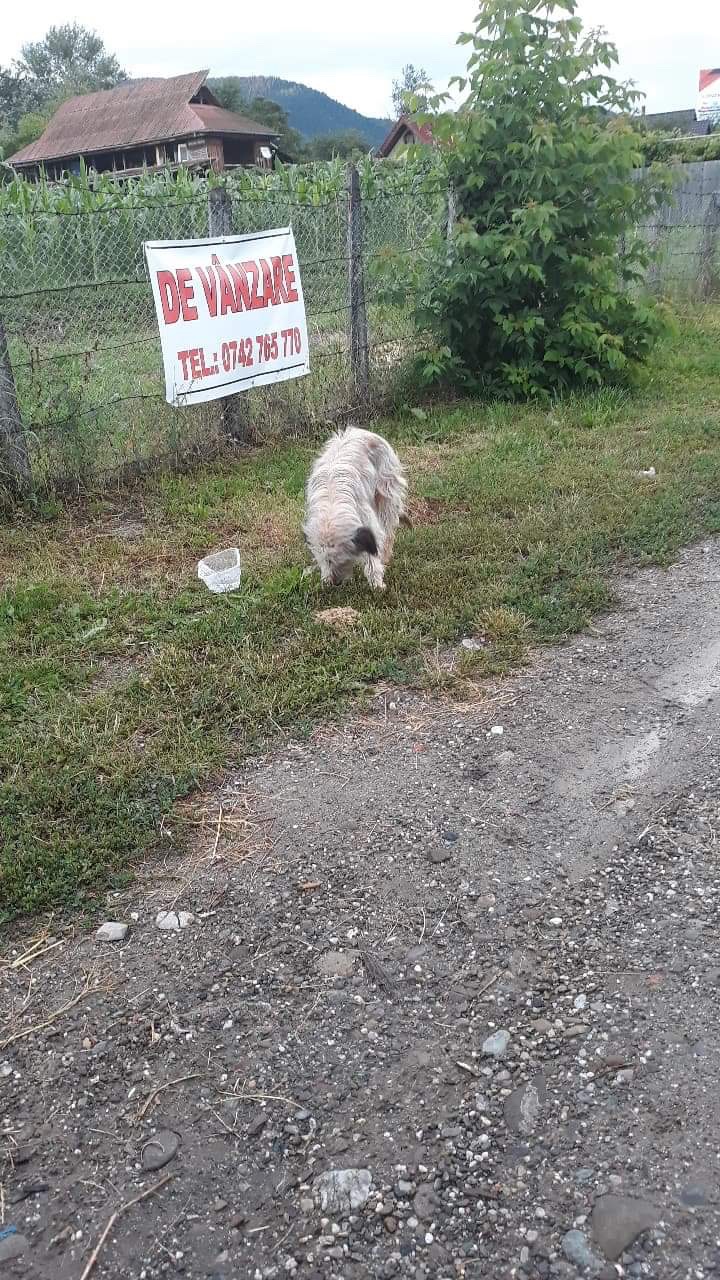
77 309
685 236
82 337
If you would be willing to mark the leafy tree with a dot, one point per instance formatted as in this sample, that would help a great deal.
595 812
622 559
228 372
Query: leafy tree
15 97
345 146
533 293
275 117
413 84
69 59
229 94
228 91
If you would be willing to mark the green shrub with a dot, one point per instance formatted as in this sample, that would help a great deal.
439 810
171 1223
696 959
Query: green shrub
531 295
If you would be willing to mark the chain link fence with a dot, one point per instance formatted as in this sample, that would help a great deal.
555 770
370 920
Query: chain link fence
82 336
685 236
81 380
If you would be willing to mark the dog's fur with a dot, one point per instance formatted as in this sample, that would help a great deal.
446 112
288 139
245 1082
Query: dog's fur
355 499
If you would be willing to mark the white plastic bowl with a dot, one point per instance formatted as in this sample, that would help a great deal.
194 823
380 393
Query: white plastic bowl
221 571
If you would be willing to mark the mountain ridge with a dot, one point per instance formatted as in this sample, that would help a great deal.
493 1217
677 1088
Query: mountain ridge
311 112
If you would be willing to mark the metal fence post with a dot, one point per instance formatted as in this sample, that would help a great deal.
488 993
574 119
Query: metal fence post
451 211
358 332
15 470
234 410
709 281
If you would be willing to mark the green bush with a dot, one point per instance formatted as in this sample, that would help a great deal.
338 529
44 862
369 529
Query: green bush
531 294
673 149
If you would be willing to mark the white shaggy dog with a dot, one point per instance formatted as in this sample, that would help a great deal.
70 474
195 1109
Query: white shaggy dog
355 500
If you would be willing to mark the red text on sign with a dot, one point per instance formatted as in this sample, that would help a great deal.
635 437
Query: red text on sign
228 287
240 353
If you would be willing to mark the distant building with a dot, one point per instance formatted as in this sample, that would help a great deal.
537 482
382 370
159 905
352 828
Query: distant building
684 122
403 134
146 124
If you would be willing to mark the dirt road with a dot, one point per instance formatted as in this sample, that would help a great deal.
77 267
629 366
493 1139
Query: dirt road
474 971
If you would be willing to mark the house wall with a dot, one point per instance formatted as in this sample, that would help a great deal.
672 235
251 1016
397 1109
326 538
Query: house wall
239 150
217 152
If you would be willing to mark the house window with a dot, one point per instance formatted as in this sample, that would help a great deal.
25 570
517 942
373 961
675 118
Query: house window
196 149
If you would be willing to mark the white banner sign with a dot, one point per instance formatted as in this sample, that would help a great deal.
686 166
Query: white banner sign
231 313
708 106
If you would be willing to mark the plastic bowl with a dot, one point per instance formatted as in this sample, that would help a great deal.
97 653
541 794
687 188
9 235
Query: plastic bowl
221 571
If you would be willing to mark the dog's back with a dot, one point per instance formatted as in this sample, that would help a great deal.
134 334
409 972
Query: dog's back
352 445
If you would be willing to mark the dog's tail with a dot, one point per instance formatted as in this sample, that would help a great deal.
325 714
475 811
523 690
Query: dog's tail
406 521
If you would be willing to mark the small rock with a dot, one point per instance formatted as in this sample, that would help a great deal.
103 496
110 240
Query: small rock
307 1205
12 1244
22 1155
579 1002
5 1069
626 1076
26 1190
577 1250
578 1029
390 1224
497 731
112 931
159 1149
469 642
555 921
439 855
523 1107
174 921
618 1220
450 837
648 474
337 964
426 1202
340 1192
496 1045
541 1026
696 1195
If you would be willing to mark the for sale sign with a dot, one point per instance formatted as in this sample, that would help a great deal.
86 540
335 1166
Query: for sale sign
231 313
708 107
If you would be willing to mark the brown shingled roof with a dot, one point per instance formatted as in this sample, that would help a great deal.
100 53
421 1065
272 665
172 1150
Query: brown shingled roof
422 133
132 114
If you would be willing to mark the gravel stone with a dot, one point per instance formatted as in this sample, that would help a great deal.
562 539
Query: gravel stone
524 1106
159 1149
112 931
342 1191
496 1045
577 1250
174 921
618 1220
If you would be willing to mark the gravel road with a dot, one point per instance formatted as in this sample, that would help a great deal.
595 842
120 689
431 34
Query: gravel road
444 1003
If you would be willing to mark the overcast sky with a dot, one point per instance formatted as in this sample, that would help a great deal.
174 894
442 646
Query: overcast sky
355 57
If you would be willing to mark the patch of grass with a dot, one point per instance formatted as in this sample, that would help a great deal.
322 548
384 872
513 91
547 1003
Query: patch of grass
124 684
